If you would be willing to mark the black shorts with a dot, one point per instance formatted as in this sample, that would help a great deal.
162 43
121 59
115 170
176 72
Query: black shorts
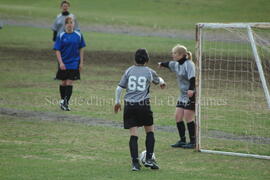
69 74
190 105
137 115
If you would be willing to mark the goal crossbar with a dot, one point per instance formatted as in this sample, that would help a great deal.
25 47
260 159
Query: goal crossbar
233 25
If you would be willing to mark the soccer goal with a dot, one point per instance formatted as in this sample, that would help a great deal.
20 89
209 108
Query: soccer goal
232 81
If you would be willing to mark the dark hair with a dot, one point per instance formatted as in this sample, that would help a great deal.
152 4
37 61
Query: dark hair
64 2
141 56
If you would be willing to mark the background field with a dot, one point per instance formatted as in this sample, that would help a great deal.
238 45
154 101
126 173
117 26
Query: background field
53 149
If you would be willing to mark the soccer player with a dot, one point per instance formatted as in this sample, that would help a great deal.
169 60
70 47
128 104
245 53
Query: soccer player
184 68
59 23
69 52
137 111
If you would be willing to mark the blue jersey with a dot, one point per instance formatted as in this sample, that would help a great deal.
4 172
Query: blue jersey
69 44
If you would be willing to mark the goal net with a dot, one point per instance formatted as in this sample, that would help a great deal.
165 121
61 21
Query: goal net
233 77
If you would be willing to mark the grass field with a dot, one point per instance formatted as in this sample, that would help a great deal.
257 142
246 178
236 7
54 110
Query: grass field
52 149
31 149
154 14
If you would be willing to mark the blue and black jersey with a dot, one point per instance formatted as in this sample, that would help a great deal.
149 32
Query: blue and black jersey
69 44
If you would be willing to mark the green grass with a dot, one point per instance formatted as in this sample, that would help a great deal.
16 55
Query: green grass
32 149
39 38
155 14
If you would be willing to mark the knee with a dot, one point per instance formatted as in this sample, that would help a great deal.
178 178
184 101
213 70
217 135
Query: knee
64 83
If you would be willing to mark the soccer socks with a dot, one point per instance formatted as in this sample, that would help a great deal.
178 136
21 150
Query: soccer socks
68 93
149 143
181 130
62 90
191 130
133 147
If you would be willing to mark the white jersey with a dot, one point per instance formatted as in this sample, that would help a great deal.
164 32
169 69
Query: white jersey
59 23
137 80
184 72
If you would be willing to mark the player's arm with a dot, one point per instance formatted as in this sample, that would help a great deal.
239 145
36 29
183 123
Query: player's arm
122 84
191 89
192 80
81 59
162 83
60 61
81 46
118 92
164 64
157 80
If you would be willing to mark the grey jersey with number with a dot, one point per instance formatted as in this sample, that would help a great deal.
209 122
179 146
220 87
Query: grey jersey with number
59 23
137 80
184 72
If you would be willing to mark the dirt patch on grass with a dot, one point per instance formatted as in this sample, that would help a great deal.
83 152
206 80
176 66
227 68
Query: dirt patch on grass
104 57
51 116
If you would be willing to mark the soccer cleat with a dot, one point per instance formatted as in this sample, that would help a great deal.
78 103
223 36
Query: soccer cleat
62 105
189 146
151 163
179 144
136 166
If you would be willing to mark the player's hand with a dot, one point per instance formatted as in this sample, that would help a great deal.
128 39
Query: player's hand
159 65
162 86
117 108
81 67
62 66
190 93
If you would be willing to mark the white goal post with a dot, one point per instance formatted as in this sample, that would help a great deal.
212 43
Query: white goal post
232 84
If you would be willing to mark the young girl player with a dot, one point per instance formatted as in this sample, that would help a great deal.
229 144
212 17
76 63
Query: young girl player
184 68
69 52
137 111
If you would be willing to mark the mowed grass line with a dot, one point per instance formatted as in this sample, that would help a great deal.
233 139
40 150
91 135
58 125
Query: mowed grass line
40 38
32 149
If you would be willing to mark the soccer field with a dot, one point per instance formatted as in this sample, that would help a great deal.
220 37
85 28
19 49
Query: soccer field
40 141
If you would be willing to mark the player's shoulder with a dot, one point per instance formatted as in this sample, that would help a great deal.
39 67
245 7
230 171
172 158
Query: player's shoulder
189 63
78 33
62 34
150 69
59 15
129 69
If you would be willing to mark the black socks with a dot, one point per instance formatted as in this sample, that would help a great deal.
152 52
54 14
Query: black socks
133 147
149 144
181 130
62 90
191 130
65 92
68 93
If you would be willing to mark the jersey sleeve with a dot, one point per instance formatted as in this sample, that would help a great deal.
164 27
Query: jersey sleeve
173 66
57 44
76 24
154 77
82 43
124 81
54 25
190 69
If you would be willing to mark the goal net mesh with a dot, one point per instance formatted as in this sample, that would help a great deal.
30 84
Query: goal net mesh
235 116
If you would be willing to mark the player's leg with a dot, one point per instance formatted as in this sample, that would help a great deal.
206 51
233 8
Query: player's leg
133 147
62 90
179 115
150 144
68 93
189 117
149 141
